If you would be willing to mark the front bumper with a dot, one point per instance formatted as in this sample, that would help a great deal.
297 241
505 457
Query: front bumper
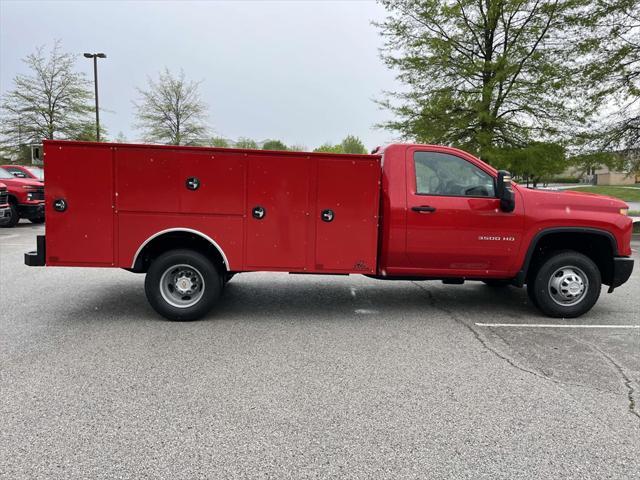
37 258
622 268
5 215
31 210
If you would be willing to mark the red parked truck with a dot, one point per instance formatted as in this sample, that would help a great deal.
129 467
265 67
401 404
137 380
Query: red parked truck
5 209
26 198
192 217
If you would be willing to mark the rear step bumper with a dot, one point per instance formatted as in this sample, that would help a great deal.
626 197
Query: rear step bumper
37 257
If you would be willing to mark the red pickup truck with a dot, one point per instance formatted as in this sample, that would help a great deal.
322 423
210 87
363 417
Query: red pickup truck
26 198
191 218
5 209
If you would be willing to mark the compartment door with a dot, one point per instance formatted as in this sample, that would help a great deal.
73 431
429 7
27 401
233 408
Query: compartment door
82 176
347 215
277 207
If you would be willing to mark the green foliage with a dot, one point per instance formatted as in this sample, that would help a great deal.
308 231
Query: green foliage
328 148
52 101
120 138
535 162
352 144
219 142
274 145
611 45
567 180
244 142
88 133
481 75
170 111
627 194
587 163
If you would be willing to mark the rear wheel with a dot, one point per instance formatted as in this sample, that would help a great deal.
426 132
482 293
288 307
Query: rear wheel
567 284
182 285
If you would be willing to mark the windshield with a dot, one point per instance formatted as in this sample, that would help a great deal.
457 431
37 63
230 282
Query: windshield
5 174
37 172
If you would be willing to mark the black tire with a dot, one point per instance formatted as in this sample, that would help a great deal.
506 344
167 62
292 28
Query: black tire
554 287
496 282
37 220
15 218
182 262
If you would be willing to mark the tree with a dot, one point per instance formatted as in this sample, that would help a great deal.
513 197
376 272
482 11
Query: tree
588 163
121 138
351 144
535 162
329 148
274 145
482 74
52 101
170 110
219 142
613 47
244 142
87 133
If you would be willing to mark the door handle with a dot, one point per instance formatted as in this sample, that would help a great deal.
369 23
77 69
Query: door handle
424 208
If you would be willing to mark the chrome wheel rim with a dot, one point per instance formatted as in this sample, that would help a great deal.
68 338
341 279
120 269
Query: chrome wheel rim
182 286
568 286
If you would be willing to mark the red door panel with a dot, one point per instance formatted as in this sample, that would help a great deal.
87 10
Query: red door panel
280 186
148 180
462 234
350 190
221 177
83 233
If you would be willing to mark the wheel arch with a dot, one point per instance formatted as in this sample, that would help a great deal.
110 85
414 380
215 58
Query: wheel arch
179 237
557 238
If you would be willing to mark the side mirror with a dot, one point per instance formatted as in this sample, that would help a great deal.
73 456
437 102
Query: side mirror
504 191
19 175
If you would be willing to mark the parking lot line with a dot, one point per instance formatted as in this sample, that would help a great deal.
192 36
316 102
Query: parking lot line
552 325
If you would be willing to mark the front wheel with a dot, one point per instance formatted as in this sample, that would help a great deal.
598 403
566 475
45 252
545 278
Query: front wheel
566 285
37 220
14 218
182 285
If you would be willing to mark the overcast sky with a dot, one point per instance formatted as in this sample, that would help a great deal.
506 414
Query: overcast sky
305 72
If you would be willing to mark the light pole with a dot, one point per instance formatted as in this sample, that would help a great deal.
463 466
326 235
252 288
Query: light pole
95 57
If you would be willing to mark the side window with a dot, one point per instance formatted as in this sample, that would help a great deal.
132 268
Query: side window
444 174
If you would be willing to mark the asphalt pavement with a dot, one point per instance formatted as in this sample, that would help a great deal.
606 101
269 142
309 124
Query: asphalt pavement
297 377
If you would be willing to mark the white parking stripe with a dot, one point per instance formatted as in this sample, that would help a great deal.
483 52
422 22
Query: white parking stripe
546 325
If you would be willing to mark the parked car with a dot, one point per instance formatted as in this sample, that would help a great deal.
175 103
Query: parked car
26 198
407 212
5 210
24 171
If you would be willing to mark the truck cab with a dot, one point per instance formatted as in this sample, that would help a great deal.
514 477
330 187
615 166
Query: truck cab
25 171
405 212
